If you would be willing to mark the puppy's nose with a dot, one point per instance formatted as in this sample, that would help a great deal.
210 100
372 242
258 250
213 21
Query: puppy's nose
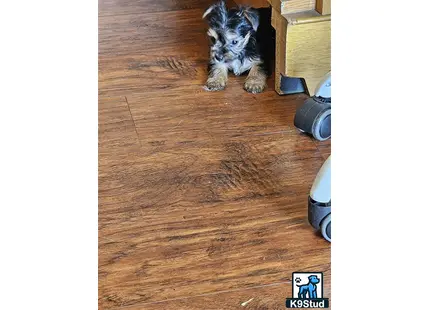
219 57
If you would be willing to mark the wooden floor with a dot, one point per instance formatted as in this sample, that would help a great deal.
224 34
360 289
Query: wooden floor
202 196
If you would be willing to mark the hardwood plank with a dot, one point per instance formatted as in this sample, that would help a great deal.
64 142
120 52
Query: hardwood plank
254 3
190 114
324 147
160 73
190 218
116 126
179 32
268 297
118 7
199 192
164 165
271 297
131 34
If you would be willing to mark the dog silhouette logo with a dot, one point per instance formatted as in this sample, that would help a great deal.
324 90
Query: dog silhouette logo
307 291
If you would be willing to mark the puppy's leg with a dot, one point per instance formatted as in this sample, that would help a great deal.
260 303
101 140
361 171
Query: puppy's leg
256 80
217 79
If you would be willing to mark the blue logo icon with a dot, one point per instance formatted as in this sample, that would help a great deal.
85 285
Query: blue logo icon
307 291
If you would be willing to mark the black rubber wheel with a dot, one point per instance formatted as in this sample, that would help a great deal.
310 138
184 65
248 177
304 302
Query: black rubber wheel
314 118
326 228
321 128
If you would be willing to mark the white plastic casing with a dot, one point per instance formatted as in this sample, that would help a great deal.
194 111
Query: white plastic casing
321 189
324 87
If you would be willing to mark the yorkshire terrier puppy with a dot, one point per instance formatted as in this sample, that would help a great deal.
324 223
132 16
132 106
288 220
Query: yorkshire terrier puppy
240 41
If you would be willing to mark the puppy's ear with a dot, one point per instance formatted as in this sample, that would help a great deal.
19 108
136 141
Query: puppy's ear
252 16
216 13
209 10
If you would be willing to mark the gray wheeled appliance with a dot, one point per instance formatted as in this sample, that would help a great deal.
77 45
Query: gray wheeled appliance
319 201
314 116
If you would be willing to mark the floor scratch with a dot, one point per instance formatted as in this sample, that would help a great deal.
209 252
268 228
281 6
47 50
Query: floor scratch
132 119
246 302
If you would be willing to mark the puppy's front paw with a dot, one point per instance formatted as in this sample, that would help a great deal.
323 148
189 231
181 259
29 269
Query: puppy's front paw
215 84
254 85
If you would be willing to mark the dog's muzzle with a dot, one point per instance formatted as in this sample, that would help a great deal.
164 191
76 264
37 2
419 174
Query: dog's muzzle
219 57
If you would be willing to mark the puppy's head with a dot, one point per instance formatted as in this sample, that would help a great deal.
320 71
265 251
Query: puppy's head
230 30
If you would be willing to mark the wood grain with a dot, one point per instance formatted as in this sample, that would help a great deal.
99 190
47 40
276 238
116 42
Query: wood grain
202 195
323 7
280 25
324 147
292 6
308 48
271 296
254 3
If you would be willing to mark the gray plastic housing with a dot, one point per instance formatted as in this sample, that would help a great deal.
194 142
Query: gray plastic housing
317 211
310 114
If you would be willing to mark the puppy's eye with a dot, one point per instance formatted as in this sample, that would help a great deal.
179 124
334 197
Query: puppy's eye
212 39
234 42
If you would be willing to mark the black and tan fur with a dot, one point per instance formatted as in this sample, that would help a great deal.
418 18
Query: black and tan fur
240 41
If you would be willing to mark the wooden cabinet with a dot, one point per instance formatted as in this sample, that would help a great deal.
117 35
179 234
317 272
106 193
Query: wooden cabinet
303 40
